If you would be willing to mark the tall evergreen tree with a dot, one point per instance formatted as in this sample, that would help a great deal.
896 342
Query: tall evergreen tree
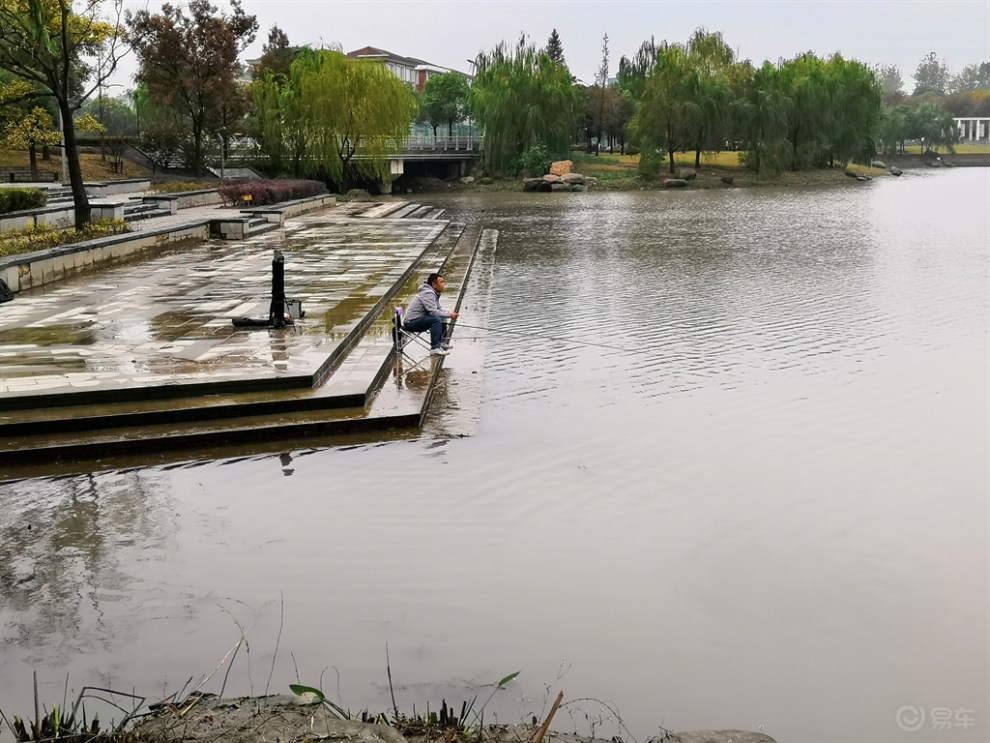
276 55
555 49
932 76
601 83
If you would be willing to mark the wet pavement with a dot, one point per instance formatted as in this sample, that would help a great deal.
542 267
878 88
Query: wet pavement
143 358
167 319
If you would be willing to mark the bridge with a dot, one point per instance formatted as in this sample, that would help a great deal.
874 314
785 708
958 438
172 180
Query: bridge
450 156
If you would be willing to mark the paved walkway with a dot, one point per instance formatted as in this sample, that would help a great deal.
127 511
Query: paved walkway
167 320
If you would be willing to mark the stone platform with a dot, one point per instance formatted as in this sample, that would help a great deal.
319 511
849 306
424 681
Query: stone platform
144 356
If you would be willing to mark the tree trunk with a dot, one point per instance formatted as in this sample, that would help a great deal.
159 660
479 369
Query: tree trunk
697 157
33 159
197 150
670 149
71 153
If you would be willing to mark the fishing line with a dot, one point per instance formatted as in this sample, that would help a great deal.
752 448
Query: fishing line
557 338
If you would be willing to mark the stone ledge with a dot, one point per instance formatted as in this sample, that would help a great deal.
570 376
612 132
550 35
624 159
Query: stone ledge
31 270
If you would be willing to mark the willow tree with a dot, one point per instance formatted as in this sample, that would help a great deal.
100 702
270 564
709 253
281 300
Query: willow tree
764 112
857 100
67 50
669 111
713 60
523 100
351 114
810 109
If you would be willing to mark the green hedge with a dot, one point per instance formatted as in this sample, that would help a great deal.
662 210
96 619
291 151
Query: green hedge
180 186
42 237
263 193
15 199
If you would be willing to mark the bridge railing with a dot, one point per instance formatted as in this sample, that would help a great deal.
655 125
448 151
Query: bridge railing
462 143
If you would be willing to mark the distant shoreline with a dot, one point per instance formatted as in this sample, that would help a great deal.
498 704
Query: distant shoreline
708 177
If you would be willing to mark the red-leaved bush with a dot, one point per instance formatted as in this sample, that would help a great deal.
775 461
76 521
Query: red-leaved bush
263 193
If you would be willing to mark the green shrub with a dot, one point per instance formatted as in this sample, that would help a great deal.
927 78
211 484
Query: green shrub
44 237
180 186
536 160
650 161
16 199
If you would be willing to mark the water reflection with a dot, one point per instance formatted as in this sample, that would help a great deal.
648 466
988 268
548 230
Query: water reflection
64 550
780 498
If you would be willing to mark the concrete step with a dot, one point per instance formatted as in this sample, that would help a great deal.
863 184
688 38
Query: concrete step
378 211
405 211
257 225
196 435
139 210
58 195
421 212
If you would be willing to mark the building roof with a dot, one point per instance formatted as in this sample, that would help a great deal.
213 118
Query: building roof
371 52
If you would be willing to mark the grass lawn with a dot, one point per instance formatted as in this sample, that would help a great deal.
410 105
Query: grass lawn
93 167
963 148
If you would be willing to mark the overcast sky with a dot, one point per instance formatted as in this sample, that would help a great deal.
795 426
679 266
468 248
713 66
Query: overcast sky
450 33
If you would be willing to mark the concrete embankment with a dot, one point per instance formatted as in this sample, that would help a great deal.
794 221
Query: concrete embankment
967 160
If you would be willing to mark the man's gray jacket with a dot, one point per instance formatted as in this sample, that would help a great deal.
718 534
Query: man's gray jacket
427 302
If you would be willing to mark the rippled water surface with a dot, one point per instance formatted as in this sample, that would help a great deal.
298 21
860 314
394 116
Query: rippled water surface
729 468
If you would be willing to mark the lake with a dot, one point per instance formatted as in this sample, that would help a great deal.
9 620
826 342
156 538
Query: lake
727 466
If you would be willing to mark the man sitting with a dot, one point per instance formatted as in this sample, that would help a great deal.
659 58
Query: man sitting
425 313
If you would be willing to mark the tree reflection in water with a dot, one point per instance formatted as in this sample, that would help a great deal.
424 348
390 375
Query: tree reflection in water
66 544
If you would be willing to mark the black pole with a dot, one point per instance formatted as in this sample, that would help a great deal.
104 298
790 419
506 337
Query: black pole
276 313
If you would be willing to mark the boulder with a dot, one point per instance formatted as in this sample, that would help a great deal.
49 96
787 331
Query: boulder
687 174
560 167
878 164
728 180
674 183
466 180
862 178
894 170
535 184
561 187
485 181
572 178
579 187
551 178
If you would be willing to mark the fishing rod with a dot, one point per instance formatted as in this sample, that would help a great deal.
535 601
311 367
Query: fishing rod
557 338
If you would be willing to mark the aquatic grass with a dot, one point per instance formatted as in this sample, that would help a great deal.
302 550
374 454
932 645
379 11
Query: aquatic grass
73 727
